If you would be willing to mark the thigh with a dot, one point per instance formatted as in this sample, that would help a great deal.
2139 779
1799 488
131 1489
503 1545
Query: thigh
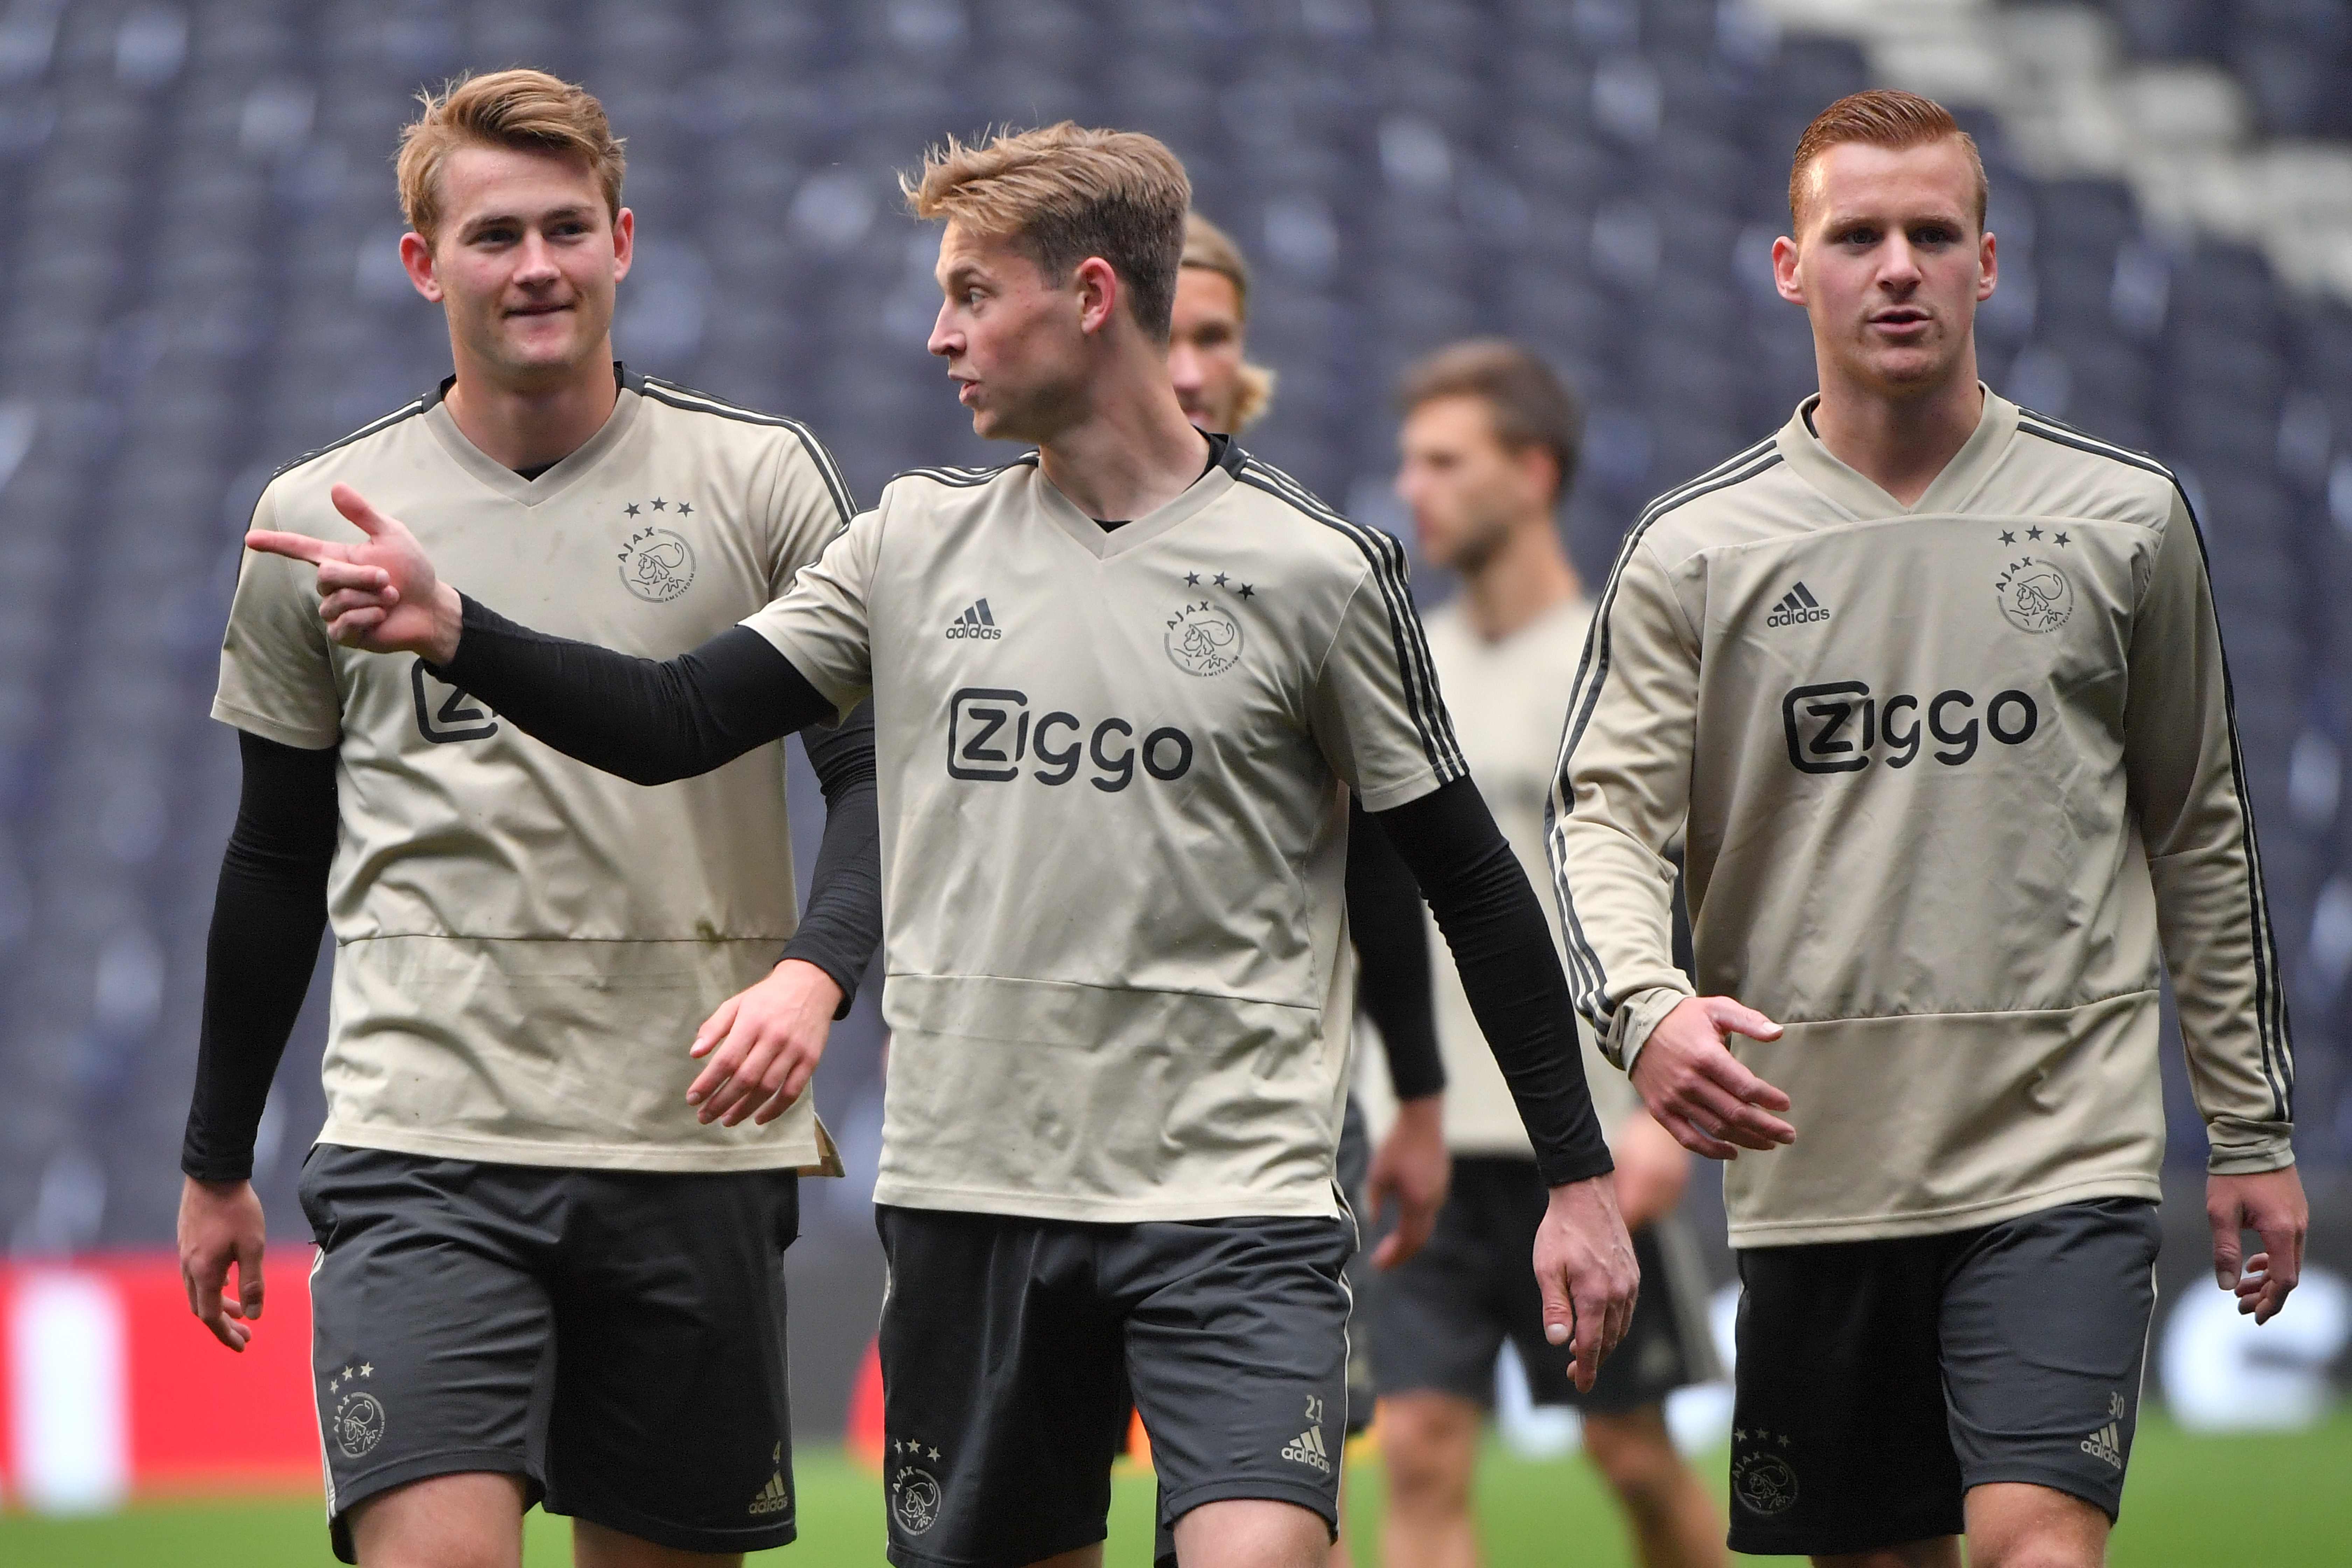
1839 1442
1439 1317
1237 1349
1353 1166
2045 1334
672 1419
430 1323
1004 1399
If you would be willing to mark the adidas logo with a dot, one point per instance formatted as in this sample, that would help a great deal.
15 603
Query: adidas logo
774 1497
2107 1443
1308 1449
1797 606
975 622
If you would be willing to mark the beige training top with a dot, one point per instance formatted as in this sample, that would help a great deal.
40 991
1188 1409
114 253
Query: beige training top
1113 774
525 946
1955 775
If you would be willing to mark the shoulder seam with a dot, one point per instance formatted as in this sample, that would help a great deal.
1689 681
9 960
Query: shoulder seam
687 400
1385 557
2048 429
409 410
1588 977
963 479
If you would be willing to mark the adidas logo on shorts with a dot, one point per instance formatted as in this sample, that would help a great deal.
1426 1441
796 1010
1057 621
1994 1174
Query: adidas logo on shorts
775 1497
2107 1443
1308 1449
974 623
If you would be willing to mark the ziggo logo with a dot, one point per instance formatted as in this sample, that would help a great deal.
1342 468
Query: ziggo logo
989 736
1835 728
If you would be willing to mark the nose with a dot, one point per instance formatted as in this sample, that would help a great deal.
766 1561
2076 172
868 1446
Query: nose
1184 368
536 263
945 341
1900 268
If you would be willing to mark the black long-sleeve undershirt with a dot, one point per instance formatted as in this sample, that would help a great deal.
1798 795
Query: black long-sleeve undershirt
1392 953
653 720
267 915
271 908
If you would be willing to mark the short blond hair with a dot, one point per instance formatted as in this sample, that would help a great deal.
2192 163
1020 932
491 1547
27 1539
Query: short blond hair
1066 193
1208 248
1882 117
527 110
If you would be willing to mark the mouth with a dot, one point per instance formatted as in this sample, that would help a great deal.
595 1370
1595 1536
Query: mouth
538 309
967 390
1900 318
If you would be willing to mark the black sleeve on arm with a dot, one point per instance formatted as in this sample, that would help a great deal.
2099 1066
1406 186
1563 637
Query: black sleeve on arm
267 918
649 720
843 924
1504 951
1393 947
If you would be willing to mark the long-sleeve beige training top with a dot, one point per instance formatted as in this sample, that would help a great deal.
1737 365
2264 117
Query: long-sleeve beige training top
1955 777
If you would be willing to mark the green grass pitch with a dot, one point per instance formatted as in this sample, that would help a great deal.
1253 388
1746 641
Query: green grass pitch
2283 1501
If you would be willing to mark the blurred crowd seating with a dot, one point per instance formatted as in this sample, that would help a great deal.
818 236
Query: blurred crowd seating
200 283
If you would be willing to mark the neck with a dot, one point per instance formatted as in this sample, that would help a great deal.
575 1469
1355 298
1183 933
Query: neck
1524 579
1132 450
533 426
1899 444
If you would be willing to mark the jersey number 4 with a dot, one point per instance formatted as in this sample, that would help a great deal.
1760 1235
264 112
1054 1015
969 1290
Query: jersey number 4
444 713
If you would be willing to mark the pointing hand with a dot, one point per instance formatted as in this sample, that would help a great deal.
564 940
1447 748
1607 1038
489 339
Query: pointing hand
378 593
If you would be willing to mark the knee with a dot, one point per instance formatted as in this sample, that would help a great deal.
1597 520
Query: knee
1637 1458
2056 1550
1429 1448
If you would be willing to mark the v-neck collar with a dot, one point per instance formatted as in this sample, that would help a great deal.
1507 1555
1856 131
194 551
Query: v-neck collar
1950 490
1102 543
559 477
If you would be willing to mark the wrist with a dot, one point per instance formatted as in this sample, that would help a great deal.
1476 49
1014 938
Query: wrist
449 623
1423 1113
816 975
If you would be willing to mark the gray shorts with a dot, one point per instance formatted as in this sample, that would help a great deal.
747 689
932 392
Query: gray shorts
1012 1348
1439 1319
1880 1380
615 1338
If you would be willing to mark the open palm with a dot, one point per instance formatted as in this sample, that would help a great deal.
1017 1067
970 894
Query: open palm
379 594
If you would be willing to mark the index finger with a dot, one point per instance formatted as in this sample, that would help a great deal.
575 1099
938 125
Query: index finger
294 546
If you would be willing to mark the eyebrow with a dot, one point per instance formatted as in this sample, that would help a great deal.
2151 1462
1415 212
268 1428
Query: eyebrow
552 215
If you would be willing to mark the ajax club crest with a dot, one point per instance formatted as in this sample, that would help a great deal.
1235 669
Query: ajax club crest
2035 595
1762 1481
358 1421
656 564
1204 639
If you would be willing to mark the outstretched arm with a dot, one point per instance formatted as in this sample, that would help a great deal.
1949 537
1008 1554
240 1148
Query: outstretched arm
648 720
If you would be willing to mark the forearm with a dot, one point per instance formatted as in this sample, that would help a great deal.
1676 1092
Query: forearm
843 924
1510 972
2232 1021
1617 914
267 916
648 720
1392 949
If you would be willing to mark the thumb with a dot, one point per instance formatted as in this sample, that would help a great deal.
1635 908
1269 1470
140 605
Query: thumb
1733 1019
1559 1310
248 1277
363 514
2227 1250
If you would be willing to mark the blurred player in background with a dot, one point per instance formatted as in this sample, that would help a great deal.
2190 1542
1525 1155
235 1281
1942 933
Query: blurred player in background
1487 450
545 1275
1934 686
1114 874
1221 390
